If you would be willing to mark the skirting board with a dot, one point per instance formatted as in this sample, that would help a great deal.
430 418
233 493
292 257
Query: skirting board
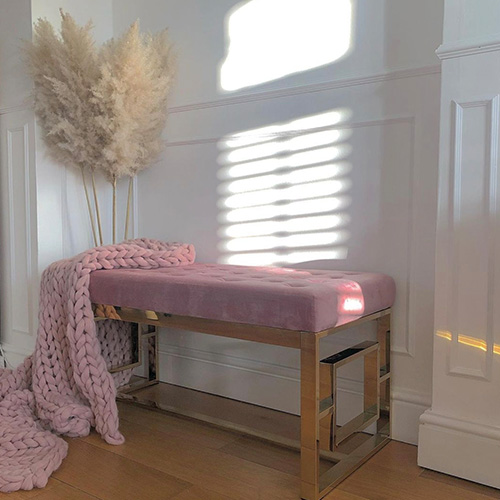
265 385
407 407
463 449
14 355
276 387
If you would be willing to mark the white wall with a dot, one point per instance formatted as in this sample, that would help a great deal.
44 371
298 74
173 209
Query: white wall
18 262
43 214
65 227
15 26
468 20
459 434
387 89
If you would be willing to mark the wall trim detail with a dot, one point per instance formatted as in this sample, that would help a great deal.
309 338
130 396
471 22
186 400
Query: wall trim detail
470 47
16 108
14 222
241 378
407 408
298 132
249 365
411 397
311 88
492 105
431 417
446 444
14 354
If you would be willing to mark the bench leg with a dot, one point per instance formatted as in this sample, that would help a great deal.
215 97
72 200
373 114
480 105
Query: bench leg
309 416
148 356
377 410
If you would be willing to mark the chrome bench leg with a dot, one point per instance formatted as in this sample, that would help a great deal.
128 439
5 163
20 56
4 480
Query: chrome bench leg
147 357
309 416
319 404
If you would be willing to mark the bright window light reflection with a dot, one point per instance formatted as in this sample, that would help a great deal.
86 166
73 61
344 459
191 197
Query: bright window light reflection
284 192
296 143
271 258
272 132
292 241
298 192
469 341
293 177
270 39
295 225
264 212
351 301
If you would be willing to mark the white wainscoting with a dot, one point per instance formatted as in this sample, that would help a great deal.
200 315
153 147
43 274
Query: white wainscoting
444 440
391 147
459 434
472 213
19 274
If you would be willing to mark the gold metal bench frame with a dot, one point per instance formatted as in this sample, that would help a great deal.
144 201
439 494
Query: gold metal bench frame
320 437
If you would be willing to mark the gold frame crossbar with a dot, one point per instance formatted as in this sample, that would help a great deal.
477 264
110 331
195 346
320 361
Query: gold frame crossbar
321 436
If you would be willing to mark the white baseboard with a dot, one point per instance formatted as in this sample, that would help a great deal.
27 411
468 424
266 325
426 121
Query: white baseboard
463 449
407 407
275 386
264 384
14 355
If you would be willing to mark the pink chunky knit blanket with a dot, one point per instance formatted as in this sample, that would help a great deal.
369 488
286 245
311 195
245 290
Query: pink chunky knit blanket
65 388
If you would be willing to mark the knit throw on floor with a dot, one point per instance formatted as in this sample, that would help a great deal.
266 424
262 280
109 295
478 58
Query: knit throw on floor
65 388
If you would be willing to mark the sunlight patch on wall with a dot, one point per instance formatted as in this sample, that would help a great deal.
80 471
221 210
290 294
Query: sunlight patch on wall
269 39
469 341
284 192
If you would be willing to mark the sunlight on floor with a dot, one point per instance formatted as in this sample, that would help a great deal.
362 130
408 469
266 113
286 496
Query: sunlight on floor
269 39
284 192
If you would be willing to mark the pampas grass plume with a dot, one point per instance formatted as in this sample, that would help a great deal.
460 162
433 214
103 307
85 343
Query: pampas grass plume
101 108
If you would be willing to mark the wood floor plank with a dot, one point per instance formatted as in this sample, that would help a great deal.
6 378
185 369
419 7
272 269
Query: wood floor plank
238 412
148 449
267 454
187 429
338 494
461 483
166 457
28 495
63 491
402 458
375 482
109 476
197 493
55 490
249 478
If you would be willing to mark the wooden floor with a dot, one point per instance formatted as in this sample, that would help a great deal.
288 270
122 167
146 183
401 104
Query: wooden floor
168 457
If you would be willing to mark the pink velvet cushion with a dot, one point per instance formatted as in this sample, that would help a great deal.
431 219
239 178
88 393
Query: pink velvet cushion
294 299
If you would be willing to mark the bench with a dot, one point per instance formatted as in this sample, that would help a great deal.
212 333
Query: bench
292 308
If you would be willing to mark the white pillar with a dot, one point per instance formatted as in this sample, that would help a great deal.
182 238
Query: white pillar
42 216
18 220
460 434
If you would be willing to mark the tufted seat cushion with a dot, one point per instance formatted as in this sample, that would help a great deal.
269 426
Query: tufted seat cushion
293 299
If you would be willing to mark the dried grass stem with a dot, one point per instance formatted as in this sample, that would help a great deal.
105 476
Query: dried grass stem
129 201
96 200
114 210
91 215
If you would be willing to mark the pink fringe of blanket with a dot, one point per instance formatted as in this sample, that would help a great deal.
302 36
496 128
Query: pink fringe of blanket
64 387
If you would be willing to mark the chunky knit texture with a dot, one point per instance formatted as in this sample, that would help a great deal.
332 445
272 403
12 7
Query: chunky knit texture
65 387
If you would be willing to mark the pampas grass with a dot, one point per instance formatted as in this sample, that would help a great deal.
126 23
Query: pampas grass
101 109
